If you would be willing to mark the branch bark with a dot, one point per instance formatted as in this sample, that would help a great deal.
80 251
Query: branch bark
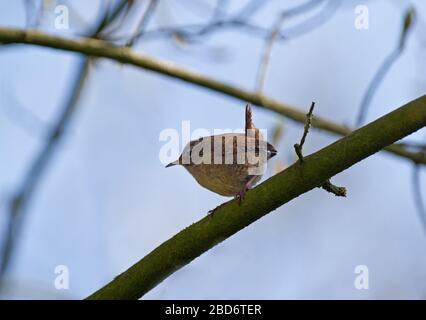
100 48
230 218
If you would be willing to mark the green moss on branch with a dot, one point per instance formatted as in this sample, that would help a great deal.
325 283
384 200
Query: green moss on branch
230 218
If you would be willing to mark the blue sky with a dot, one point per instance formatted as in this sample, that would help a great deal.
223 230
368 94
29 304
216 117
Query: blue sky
106 200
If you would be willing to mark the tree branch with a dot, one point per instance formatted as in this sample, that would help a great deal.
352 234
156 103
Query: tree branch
18 203
100 48
385 67
230 218
140 29
274 34
327 185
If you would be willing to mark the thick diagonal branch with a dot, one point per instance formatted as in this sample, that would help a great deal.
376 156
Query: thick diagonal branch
99 48
230 218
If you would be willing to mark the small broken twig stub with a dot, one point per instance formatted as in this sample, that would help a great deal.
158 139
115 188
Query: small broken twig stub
298 146
327 185
337 191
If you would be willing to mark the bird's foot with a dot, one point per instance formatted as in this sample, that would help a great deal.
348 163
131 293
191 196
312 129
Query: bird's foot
241 194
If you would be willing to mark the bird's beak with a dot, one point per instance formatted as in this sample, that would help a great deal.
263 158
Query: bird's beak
271 150
171 164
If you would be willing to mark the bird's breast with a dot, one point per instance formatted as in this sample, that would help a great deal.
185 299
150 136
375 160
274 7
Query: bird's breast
226 180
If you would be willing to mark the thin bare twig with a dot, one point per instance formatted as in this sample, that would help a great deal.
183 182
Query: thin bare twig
327 185
312 23
375 83
274 35
414 145
385 67
337 191
251 8
23 117
122 8
298 146
191 32
100 48
220 9
143 22
266 55
19 202
33 13
417 193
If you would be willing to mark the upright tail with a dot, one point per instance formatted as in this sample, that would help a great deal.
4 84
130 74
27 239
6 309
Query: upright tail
251 130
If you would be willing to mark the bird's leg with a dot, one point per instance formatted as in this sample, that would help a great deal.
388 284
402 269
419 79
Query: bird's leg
241 194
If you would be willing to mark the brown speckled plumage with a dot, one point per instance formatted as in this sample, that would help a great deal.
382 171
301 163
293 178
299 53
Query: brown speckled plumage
228 175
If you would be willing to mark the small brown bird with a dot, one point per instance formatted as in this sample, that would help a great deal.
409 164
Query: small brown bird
228 164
